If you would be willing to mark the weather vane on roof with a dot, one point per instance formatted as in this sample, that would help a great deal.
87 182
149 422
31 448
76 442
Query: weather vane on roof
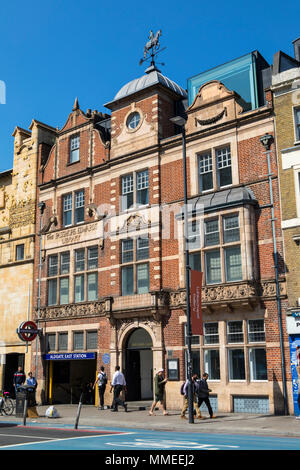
152 47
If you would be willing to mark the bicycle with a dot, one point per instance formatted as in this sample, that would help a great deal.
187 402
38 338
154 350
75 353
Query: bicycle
6 404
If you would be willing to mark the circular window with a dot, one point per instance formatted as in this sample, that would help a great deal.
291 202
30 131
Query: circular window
133 120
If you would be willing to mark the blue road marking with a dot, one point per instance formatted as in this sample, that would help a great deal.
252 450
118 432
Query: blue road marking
138 439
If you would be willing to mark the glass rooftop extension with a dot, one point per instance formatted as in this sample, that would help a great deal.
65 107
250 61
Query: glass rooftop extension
243 75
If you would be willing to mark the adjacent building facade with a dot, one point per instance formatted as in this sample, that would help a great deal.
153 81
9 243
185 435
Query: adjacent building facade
17 241
110 288
286 92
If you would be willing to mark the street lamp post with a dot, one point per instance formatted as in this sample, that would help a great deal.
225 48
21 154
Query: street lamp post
266 141
180 121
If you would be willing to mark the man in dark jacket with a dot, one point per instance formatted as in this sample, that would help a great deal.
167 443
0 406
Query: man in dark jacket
202 391
19 378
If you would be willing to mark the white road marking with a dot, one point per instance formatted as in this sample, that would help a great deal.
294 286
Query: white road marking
166 444
62 439
22 435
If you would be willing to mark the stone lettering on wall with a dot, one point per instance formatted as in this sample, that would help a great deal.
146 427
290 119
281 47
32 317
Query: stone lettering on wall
72 235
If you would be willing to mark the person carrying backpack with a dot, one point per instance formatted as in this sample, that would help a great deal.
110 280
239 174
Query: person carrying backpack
202 391
184 392
102 381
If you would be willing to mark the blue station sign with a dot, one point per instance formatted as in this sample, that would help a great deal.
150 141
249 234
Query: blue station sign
69 356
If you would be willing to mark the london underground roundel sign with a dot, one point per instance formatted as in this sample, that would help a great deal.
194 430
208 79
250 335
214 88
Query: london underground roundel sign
27 331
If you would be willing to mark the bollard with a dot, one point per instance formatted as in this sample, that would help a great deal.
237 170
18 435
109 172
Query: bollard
78 411
25 410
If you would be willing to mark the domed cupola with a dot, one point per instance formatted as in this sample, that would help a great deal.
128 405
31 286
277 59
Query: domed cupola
141 110
152 77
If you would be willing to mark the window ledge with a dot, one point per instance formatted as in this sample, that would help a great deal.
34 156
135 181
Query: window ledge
73 163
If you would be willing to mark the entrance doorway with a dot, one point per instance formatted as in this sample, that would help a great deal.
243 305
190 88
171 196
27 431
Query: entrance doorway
139 366
13 361
69 379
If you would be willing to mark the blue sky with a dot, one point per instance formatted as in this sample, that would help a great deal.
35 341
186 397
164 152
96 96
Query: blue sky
53 51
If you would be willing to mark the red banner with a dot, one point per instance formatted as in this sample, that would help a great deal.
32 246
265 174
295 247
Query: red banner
196 310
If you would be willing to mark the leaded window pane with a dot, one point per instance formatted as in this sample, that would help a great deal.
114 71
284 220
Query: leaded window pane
78 340
79 260
205 172
53 265
127 191
211 235
75 142
65 263
127 251
74 149
231 229
224 166
258 364
211 333
142 278
93 257
79 288
52 291
64 290
233 261
256 331
195 261
213 267
194 235
92 340
50 342
79 207
142 248
142 185
127 184
92 286
235 332
127 280
67 210
212 363
236 364
63 341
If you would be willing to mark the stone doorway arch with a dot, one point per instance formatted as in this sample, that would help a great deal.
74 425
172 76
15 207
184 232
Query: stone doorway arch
138 357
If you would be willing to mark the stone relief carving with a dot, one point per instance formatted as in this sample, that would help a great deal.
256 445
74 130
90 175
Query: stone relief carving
21 213
72 311
161 304
229 293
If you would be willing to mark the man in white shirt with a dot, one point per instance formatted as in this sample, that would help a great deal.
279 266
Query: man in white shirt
118 384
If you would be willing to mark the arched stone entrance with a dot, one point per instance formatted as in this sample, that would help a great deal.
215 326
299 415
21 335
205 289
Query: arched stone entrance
138 365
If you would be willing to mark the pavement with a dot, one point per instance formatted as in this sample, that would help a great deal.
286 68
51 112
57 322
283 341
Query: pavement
138 417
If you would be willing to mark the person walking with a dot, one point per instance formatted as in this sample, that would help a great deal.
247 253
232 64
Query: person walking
202 391
19 378
186 399
118 384
102 381
159 389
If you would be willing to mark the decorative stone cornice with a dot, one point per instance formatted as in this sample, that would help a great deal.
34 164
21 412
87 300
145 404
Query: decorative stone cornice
71 311
247 294
243 294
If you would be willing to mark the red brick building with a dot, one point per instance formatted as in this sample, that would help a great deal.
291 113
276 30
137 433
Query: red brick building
112 278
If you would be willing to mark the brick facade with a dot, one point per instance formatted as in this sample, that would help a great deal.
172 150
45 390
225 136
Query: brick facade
159 309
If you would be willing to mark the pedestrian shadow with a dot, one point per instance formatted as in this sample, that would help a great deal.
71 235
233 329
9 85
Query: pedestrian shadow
8 425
